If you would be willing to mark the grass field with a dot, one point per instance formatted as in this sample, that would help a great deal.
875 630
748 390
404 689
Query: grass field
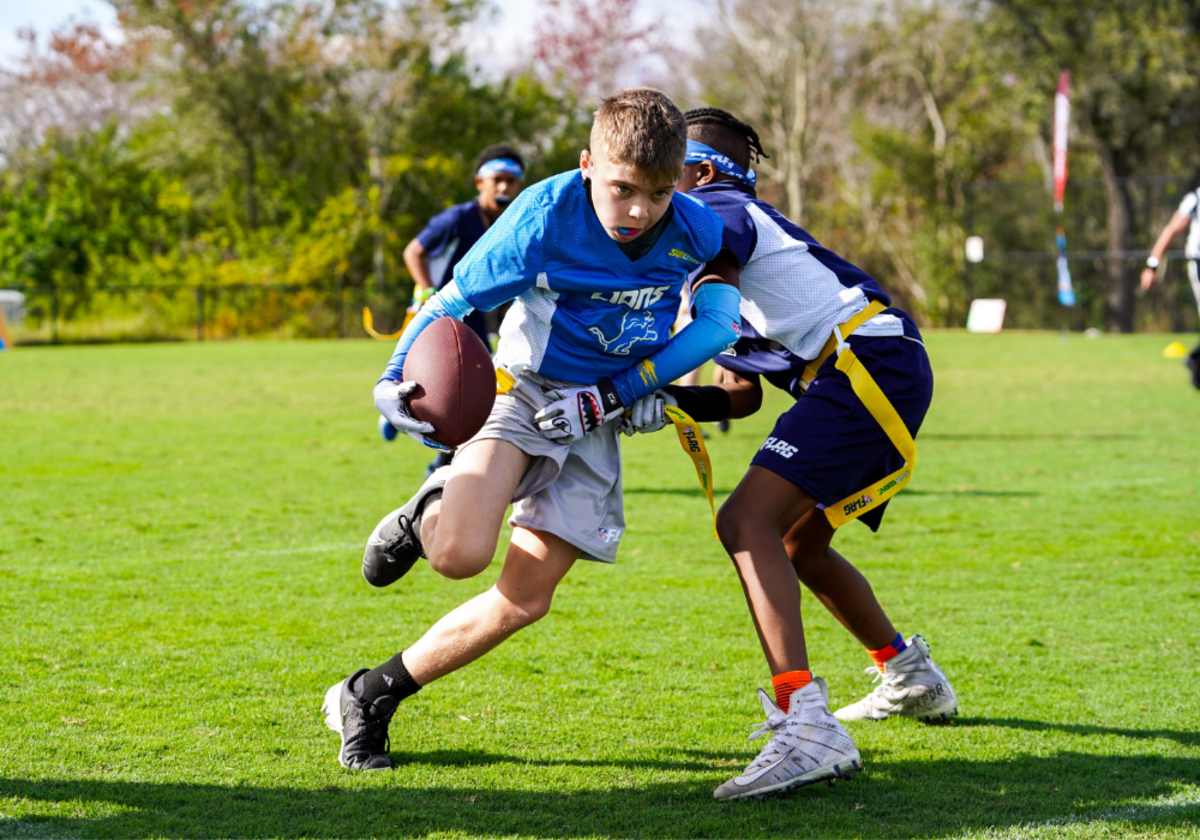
180 536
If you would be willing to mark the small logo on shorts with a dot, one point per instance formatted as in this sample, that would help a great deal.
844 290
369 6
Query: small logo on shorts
779 447
609 535
857 504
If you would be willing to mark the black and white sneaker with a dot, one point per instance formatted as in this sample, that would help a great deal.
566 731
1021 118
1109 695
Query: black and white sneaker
363 726
395 544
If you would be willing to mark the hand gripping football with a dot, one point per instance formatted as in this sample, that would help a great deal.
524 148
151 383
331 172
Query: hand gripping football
456 380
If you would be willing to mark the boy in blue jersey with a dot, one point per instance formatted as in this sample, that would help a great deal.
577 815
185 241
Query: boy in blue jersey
595 260
434 252
800 304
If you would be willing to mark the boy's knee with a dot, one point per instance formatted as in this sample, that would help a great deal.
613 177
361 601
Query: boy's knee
732 523
530 609
457 557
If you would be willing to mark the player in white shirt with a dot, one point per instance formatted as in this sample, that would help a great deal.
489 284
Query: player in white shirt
1187 217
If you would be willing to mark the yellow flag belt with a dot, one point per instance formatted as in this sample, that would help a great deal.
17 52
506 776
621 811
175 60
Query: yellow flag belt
369 325
873 398
693 444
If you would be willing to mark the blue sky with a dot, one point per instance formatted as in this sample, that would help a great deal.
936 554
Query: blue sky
44 15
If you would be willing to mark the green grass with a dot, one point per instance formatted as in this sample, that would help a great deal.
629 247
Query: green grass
180 535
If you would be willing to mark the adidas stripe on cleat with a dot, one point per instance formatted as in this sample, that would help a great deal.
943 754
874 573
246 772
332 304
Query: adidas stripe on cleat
808 745
911 685
395 544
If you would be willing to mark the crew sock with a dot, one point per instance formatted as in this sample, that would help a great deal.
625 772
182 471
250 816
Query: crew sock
788 683
390 678
885 653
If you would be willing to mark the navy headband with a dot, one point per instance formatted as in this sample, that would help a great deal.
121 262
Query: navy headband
506 165
697 152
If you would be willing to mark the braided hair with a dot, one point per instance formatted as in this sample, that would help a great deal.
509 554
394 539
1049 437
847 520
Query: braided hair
726 133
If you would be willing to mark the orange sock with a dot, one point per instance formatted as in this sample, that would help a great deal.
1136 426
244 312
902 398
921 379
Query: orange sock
884 654
787 683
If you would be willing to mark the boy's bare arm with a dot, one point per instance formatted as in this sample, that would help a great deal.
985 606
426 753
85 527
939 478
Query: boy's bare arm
723 268
417 261
745 395
1177 225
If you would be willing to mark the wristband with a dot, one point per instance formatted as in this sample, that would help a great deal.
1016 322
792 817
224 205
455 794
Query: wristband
1151 262
609 398
421 295
703 403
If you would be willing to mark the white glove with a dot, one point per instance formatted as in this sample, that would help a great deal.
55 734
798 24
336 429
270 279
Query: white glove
576 411
647 415
391 398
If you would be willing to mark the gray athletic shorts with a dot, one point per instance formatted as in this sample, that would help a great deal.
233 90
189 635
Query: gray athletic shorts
574 491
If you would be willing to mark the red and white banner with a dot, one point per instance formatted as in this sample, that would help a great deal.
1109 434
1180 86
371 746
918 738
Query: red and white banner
1062 118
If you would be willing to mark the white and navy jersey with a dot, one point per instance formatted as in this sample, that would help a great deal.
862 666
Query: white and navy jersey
1190 207
583 309
794 290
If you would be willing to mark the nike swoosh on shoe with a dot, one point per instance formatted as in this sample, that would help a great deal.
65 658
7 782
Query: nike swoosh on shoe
762 772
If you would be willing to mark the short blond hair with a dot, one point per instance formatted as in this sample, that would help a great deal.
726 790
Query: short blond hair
644 129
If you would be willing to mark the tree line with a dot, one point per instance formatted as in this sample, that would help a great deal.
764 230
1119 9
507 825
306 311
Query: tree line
300 145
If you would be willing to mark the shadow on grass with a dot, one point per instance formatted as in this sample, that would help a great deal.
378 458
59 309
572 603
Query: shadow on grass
969 493
671 491
1029 436
1187 739
918 798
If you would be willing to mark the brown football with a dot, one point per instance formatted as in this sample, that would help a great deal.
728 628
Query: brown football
456 380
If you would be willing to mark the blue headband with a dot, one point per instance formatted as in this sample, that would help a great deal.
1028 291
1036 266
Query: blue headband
506 165
697 152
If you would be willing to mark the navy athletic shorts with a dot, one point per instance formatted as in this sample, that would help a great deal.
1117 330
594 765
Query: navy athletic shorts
829 445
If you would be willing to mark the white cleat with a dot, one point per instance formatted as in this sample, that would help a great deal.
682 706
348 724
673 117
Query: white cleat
912 685
807 745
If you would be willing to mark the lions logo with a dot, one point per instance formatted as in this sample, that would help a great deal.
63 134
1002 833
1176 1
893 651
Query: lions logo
635 327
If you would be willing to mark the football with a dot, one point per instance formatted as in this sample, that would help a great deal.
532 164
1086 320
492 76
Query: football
456 380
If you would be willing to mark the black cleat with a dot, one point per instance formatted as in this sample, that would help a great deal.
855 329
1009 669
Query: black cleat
395 544
363 726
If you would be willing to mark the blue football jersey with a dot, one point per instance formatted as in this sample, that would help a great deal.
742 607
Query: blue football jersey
583 310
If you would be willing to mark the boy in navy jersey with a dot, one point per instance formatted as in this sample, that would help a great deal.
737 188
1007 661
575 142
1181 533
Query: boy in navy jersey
434 252
596 260
809 319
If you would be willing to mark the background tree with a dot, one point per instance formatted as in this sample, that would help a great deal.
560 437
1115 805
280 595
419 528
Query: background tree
585 50
782 63
76 79
1134 94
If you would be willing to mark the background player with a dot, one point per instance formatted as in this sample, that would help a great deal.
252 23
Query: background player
827 447
1187 217
434 252
596 260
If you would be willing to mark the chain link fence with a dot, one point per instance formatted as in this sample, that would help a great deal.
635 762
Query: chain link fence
62 314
